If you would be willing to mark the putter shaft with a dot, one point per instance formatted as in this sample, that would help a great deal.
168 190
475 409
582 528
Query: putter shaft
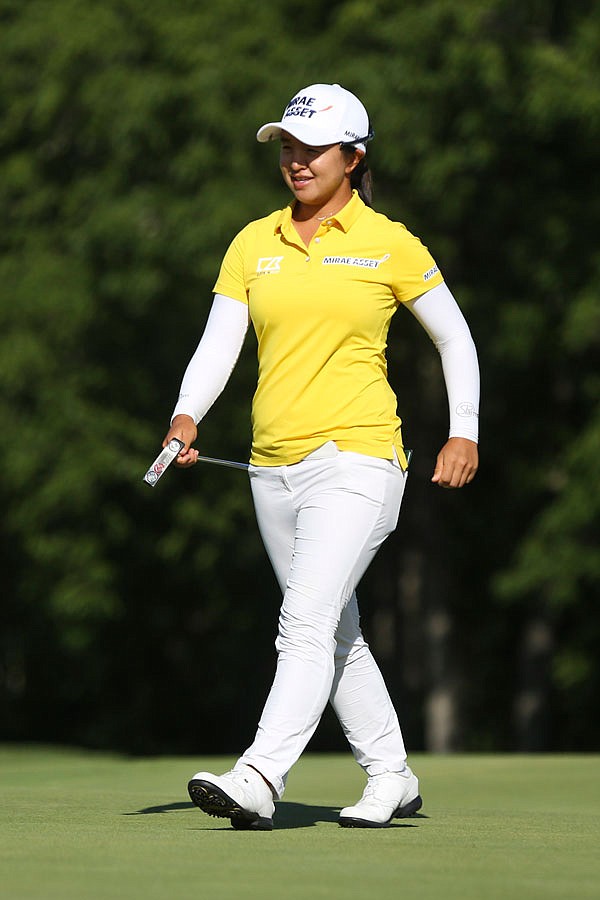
223 462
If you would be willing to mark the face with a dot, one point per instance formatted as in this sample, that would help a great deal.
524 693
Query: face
317 176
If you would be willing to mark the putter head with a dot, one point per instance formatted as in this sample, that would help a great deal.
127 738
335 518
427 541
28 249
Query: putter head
163 461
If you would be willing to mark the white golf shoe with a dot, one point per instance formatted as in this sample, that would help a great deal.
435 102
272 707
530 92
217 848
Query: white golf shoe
241 795
393 795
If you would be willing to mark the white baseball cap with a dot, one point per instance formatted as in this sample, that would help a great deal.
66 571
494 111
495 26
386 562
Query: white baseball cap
322 114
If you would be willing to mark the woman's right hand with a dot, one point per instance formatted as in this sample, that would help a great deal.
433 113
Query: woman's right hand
184 428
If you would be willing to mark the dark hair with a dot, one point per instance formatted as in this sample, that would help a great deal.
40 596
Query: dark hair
361 179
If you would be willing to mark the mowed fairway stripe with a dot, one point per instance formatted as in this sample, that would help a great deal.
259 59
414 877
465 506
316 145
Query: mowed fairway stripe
93 826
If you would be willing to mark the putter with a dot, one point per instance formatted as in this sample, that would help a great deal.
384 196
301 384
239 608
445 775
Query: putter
169 453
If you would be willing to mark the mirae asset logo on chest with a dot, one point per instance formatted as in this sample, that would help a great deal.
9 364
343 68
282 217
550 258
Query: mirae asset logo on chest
267 265
364 262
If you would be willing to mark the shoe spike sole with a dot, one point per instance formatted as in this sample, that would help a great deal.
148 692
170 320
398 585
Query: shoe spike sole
215 802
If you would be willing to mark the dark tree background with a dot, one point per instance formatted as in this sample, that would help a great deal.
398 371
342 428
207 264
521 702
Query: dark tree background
144 620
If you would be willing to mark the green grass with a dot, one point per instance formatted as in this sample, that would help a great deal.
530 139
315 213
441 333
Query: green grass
94 826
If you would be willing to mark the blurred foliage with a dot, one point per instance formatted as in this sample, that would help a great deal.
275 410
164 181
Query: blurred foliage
140 619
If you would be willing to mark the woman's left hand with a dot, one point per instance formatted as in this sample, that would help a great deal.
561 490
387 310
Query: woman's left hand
456 464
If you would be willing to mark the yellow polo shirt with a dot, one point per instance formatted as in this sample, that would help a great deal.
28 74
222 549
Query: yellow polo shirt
321 315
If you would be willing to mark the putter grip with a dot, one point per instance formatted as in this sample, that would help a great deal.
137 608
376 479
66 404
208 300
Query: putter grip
163 460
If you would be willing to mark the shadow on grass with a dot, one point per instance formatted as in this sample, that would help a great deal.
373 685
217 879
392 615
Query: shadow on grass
163 808
287 815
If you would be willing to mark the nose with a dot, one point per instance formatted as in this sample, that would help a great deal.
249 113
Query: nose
296 157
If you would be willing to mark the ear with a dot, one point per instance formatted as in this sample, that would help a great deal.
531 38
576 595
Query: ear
353 161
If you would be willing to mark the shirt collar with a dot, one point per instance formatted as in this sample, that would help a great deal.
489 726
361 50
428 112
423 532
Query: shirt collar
345 218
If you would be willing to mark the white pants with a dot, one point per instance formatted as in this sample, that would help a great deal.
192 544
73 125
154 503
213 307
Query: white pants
322 521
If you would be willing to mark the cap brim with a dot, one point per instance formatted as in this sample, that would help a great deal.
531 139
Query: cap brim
269 132
272 132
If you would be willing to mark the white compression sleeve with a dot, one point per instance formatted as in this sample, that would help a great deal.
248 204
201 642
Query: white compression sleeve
439 314
211 365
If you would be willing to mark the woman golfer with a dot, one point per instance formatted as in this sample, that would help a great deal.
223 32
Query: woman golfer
320 281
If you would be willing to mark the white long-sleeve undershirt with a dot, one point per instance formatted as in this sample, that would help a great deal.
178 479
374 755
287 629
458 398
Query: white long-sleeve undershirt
439 314
213 362
437 311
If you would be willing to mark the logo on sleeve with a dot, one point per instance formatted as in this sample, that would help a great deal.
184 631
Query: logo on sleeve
467 409
430 273
266 265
